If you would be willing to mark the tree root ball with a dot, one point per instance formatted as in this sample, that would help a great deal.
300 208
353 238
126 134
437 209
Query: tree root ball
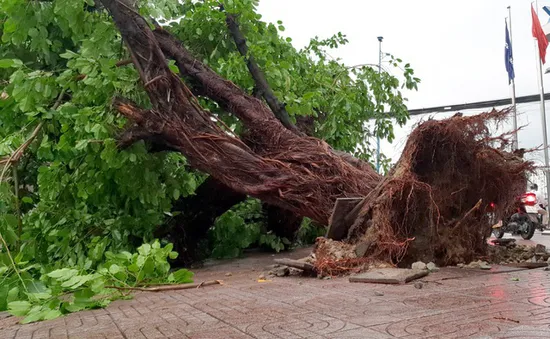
432 206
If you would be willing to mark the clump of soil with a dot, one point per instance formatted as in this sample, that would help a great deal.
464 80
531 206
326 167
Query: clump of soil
334 258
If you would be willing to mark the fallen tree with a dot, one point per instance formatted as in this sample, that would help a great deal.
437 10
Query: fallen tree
429 207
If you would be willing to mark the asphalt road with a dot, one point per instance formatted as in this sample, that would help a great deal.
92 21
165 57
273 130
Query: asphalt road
538 238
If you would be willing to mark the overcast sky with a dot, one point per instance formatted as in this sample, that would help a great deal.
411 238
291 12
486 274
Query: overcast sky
456 48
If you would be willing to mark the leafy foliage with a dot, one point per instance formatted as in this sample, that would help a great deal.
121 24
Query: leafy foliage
79 198
241 227
72 289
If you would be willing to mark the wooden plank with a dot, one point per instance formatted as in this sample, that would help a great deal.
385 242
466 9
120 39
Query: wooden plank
296 264
338 227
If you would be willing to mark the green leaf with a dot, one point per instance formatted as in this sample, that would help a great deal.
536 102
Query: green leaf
308 95
133 268
35 314
68 55
19 308
144 249
114 269
52 314
27 200
63 274
13 294
176 194
40 296
81 144
183 276
155 245
148 267
8 63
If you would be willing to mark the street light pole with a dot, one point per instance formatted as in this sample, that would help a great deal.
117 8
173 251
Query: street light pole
380 74
515 119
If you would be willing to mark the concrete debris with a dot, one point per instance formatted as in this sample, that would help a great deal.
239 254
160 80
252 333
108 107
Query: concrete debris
432 267
281 271
419 265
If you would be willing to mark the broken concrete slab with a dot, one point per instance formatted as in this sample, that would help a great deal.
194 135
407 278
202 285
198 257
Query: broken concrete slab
497 269
389 276
529 265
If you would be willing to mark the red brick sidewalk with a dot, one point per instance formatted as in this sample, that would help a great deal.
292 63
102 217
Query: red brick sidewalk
453 303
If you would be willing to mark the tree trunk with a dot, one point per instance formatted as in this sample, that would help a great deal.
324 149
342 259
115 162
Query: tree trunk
197 214
427 208
283 223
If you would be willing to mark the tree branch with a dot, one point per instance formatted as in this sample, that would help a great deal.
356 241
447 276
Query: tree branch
262 86
168 287
296 173
136 133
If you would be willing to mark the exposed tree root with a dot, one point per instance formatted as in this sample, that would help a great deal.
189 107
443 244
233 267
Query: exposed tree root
432 206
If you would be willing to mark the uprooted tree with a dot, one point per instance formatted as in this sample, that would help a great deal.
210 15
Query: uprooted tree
431 205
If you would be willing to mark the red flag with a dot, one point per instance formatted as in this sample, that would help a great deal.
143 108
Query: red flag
538 33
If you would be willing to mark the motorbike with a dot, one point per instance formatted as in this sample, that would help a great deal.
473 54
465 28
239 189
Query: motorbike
523 222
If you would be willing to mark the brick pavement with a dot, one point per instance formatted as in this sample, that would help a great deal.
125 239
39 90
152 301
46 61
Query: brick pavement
453 303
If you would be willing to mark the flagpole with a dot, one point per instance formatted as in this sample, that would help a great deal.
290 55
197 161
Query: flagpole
543 120
515 118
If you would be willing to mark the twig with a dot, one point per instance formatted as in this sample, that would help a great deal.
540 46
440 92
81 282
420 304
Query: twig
158 77
472 210
168 287
15 268
507 319
123 62
17 206
16 156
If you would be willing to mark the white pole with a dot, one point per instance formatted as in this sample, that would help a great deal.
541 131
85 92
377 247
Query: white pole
380 74
543 121
515 118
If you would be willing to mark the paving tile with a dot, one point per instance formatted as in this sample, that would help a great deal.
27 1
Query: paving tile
453 303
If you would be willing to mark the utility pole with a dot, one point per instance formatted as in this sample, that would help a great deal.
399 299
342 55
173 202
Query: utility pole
380 73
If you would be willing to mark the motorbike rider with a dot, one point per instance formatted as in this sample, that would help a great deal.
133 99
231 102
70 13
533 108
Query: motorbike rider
541 203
